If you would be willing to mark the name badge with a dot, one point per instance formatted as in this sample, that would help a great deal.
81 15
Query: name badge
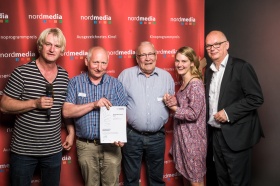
159 98
81 94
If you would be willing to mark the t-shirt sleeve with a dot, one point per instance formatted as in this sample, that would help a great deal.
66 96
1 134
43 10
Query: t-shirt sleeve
15 86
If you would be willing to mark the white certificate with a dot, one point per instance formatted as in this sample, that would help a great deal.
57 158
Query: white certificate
113 124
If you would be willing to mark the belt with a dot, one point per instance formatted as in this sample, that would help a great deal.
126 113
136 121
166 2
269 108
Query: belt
95 141
145 133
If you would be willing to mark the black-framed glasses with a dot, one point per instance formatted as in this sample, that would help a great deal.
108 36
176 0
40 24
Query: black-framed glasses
215 45
146 55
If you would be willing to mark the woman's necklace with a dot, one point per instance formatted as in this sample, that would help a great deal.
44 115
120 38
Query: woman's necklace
185 84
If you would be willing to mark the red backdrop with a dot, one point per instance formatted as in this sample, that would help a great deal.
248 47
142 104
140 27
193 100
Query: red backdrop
117 25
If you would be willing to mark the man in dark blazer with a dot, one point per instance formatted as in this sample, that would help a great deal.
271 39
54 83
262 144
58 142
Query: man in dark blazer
233 95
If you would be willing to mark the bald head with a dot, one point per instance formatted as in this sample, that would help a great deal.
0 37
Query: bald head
95 50
218 34
97 62
146 57
216 46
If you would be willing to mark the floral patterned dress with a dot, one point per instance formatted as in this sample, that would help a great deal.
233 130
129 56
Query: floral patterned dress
189 145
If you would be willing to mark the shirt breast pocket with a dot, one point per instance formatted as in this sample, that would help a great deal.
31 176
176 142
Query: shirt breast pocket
82 100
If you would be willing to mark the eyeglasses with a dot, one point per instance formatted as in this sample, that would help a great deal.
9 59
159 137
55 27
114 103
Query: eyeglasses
215 45
146 55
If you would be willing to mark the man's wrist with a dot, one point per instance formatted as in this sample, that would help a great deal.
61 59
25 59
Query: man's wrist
226 115
94 105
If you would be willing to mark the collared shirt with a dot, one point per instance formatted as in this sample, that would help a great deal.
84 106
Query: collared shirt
81 91
146 110
214 91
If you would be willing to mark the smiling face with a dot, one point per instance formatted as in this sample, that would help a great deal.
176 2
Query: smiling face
216 46
97 63
183 64
146 58
51 49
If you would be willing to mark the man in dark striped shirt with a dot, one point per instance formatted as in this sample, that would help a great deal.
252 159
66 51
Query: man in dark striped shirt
36 139
100 163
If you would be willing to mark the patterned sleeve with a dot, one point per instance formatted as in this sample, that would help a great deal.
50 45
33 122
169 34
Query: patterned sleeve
71 93
15 86
122 97
192 103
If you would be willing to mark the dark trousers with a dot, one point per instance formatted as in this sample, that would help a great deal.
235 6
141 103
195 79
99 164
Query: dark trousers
152 147
211 175
233 167
22 169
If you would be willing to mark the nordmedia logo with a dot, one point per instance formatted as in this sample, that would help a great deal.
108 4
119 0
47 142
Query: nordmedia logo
66 160
123 54
28 56
184 21
105 19
4 18
170 176
55 18
75 55
143 20
4 168
78 55
167 53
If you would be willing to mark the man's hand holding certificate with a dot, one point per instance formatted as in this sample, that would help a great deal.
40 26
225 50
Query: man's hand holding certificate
113 124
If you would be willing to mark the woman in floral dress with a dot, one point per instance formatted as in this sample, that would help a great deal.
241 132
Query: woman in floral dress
189 141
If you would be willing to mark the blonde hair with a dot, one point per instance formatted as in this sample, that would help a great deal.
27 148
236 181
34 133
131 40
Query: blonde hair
56 32
191 55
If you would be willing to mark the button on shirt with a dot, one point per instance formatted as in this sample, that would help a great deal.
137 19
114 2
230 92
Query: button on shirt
81 91
214 91
146 110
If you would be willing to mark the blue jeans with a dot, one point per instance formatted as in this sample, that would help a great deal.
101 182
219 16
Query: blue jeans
152 148
22 169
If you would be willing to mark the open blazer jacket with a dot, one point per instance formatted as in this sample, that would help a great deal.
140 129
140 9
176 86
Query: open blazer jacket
240 96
